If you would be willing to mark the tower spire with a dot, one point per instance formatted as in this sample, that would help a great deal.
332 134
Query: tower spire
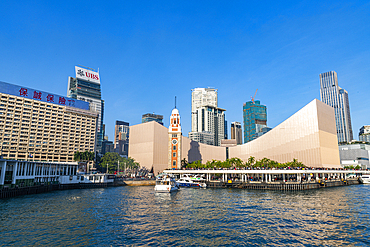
175 102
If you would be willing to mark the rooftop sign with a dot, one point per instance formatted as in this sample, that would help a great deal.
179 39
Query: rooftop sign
87 75
42 96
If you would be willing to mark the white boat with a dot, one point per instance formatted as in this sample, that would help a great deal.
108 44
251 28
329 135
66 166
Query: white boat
187 182
166 184
197 178
365 179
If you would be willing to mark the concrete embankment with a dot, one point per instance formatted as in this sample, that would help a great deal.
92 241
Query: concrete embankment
19 191
135 183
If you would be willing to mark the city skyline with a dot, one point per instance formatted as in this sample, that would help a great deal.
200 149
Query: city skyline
148 53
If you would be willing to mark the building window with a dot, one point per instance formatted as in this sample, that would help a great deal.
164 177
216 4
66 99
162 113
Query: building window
173 154
174 163
174 147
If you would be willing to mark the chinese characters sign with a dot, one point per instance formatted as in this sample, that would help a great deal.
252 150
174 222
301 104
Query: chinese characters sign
42 96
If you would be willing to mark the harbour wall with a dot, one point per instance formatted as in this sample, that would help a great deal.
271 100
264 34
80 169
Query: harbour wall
7 192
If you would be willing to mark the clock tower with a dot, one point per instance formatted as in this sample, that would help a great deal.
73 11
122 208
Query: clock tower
174 141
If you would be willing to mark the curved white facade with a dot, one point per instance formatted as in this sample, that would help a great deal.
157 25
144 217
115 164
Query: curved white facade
309 136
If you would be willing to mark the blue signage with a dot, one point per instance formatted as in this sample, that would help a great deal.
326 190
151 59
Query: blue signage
42 96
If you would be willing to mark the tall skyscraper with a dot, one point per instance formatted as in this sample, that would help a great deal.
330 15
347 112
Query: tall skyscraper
337 97
236 132
201 97
254 119
152 117
121 137
206 116
86 87
364 134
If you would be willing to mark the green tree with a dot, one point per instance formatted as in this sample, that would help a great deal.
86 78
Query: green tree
184 163
251 161
84 156
110 160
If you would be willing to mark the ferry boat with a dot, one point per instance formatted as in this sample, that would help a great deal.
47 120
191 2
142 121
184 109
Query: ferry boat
166 184
365 179
187 182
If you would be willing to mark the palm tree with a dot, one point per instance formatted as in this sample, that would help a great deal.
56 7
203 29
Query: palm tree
251 161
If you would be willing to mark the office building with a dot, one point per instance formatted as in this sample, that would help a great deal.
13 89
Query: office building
337 97
107 147
41 126
86 87
254 119
121 137
236 132
364 134
152 117
206 116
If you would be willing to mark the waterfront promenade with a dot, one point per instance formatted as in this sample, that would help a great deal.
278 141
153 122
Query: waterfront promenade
276 179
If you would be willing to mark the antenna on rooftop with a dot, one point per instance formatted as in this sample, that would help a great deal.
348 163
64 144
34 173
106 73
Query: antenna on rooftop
175 101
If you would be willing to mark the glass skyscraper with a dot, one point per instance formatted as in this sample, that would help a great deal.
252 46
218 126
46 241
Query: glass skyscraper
254 119
336 97
86 87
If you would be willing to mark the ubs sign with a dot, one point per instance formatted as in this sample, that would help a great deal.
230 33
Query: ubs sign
87 75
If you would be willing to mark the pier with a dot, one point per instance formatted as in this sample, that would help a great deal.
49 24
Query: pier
286 180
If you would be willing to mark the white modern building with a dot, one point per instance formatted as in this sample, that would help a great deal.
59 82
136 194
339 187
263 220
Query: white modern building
337 97
206 116
354 155
364 134
202 137
86 87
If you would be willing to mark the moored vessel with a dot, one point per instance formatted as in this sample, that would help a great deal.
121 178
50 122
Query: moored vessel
166 184
187 182
365 179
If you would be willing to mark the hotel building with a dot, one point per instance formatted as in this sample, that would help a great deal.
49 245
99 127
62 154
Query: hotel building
41 126
337 97
86 87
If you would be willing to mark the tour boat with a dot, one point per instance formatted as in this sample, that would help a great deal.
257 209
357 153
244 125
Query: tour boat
187 182
365 179
166 184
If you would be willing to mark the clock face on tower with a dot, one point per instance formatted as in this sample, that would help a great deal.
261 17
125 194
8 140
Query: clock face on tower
174 141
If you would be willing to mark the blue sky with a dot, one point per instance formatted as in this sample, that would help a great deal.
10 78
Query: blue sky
148 52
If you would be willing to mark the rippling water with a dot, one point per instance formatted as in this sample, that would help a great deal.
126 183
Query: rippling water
138 216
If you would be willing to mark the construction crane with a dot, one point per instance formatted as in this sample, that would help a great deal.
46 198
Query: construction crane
254 96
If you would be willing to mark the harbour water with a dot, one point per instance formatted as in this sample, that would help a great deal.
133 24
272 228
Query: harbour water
137 216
